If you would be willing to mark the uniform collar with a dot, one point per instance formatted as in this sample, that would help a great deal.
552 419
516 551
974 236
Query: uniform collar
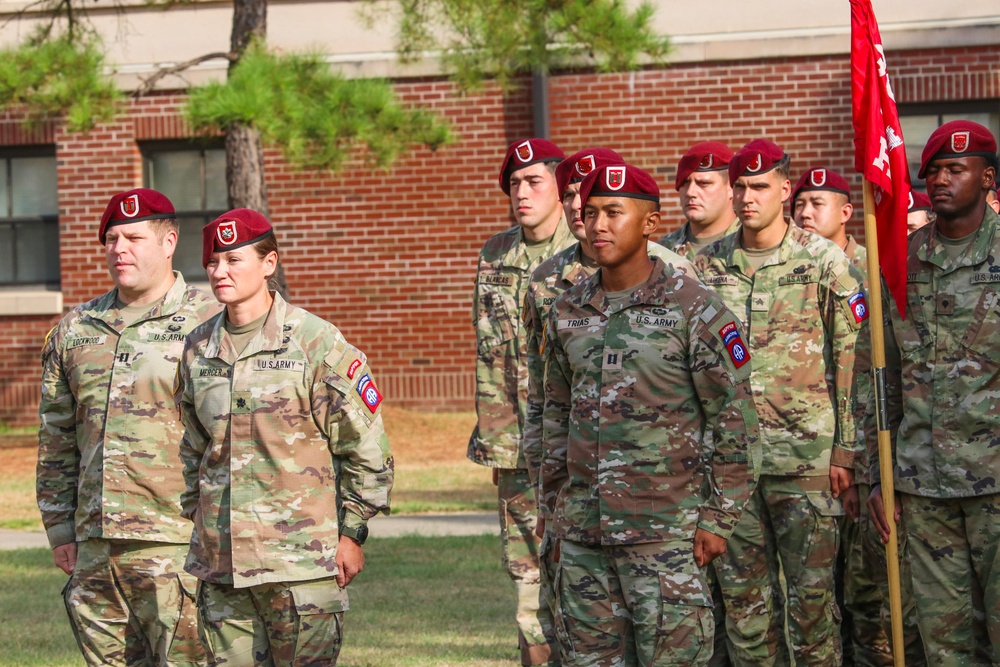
106 310
517 254
270 339
735 258
648 293
934 252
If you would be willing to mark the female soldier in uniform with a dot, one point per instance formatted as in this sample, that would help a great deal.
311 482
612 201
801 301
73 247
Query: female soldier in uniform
285 460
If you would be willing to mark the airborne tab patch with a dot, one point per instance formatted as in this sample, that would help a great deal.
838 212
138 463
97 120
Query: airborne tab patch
369 392
734 343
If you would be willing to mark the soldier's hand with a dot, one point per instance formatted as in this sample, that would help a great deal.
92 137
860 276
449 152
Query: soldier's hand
707 547
877 511
841 479
350 560
65 557
850 501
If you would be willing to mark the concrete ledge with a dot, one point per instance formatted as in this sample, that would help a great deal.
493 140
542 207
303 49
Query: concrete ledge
31 302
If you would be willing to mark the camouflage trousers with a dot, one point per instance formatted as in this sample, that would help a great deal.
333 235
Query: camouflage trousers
790 523
952 549
643 604
281 624
865 641
521 550
875 564
132 603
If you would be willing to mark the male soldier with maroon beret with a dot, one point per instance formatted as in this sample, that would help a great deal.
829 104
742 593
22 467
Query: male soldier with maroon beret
706 198
641 363
109 480
803 305
527 177
942 383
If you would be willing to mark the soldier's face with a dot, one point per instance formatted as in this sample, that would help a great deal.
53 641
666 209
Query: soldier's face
534 196
571 209
618 227
822 212
706 197
915 220
239 275
138 258
759 201
958 186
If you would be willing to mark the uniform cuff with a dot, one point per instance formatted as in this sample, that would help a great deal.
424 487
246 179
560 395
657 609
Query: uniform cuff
61 534
717 523
843 458
353 520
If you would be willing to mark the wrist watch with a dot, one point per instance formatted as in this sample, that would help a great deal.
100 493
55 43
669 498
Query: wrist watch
359 533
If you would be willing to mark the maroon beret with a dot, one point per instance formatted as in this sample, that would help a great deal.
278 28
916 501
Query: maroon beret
706 156
918 202
757 157
135 206
959 138
619 181
521 154
579 164
231 230
821 178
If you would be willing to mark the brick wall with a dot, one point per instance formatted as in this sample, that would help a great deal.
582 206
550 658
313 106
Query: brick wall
390 256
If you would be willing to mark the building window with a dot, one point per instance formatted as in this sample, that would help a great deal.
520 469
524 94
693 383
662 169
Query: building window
918 121
193 176
29 218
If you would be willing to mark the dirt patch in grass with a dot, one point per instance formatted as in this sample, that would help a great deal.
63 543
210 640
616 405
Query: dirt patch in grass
18 459
428 437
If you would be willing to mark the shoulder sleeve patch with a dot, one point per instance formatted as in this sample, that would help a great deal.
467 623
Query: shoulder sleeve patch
731 338
49 345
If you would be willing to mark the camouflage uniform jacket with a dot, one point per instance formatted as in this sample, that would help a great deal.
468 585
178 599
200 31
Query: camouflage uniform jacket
107 446
863 368
501 358
553 277
803 310
283 444
943 367
629 396
679 239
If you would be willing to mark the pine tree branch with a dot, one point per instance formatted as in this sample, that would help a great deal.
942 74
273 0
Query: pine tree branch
149 83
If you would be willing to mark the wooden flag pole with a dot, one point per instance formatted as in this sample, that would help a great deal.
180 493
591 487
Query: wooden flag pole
884 443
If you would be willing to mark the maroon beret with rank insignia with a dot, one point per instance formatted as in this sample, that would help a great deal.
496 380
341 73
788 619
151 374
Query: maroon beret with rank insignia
757 157
619 181
576 167
957 139
521 154
135 206
821 178
231 230
706 156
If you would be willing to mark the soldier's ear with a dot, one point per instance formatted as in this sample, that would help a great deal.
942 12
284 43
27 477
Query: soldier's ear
651 224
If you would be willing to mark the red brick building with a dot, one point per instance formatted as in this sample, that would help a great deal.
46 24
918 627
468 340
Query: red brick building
390 256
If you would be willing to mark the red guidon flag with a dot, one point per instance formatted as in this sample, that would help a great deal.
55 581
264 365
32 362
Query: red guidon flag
879 154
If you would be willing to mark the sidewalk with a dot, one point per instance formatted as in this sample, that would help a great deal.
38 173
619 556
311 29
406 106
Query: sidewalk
379 527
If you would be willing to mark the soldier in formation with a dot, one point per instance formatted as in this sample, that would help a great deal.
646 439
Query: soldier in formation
108 481
285 460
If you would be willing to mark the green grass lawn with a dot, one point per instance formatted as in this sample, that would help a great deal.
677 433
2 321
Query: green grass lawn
420 601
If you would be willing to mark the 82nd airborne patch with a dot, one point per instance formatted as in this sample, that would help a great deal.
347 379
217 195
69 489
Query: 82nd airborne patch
369 393
859 307
734 343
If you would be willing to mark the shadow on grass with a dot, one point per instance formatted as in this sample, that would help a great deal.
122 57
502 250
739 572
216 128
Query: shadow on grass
420 601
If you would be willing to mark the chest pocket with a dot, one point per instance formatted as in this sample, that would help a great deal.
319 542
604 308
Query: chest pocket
984 327
497 310
912 335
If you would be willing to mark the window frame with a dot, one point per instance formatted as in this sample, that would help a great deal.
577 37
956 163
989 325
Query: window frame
8 220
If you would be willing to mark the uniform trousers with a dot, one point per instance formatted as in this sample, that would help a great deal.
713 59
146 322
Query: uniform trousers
788 527
521 548
951 547
644 604
283 624
132 603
